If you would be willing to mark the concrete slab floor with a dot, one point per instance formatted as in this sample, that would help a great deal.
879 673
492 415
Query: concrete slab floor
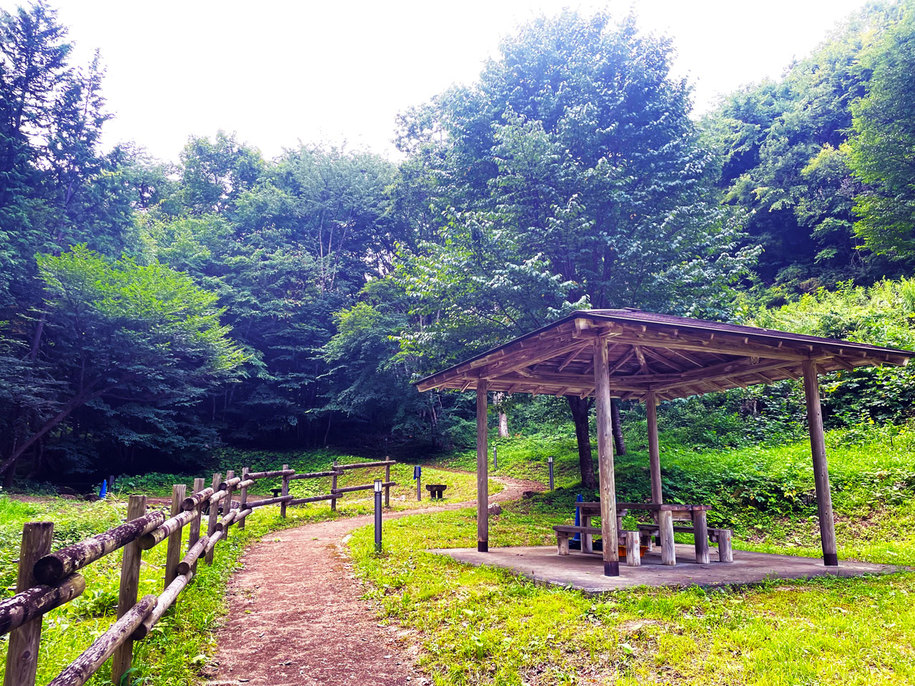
584 571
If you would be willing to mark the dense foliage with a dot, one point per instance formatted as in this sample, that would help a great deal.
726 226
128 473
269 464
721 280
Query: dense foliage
151 313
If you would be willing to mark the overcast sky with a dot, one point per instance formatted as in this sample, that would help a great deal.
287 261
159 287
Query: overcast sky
280 73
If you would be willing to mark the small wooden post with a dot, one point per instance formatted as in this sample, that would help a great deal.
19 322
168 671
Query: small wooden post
654 449
127 593
387 480
230 474
213 518
333 487
419 483
193 529
22 652
482 468
605 459
633 551
244 496
173 552
550 463
666 534
700 533
377 486
495 457
284 492
820 466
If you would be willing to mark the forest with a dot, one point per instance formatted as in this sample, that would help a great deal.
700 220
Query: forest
153 314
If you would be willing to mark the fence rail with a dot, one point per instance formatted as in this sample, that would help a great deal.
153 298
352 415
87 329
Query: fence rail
48 579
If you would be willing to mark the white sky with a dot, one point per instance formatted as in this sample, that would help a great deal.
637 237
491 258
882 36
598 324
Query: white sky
278 73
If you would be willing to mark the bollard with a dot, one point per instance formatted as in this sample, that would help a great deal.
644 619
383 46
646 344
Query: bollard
550 461
377 515
418 475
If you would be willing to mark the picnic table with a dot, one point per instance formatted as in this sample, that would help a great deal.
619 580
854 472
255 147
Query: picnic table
664 515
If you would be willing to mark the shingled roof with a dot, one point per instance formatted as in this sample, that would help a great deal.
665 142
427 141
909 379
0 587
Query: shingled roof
670 356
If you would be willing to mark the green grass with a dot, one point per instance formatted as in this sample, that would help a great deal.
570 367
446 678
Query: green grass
183 640
485 626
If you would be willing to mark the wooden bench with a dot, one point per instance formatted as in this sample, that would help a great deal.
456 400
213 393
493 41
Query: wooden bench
722 537
437 491
628 539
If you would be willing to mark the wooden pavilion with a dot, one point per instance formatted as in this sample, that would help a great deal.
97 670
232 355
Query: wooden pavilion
651 357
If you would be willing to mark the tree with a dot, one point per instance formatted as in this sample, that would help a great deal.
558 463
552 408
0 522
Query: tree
882 149
118 335
580 183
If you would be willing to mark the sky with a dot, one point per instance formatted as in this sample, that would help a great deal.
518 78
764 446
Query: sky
280 74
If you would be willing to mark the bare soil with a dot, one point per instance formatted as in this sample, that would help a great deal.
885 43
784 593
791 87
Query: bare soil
297 616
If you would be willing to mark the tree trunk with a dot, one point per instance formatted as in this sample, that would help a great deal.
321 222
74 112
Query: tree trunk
619 442
497 399
580 407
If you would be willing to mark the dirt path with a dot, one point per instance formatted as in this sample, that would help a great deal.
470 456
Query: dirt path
297 617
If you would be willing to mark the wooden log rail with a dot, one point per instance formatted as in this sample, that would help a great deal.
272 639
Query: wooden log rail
48 580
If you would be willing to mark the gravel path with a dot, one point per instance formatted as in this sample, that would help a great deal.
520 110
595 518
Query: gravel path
297 617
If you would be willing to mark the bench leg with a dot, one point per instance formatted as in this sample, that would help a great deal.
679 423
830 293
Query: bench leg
562 542
587 540
700 534
633 554
666 534
725 552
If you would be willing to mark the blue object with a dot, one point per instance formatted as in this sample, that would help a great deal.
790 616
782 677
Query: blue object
417 472
103 491
578 499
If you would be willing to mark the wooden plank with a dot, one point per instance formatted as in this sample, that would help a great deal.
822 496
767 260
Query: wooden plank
820 465
364 487
36 601
55 566
22 652
268 475
82 668
605 459
365 465
482 468
313 499
128 589
173 552
314 475
269 501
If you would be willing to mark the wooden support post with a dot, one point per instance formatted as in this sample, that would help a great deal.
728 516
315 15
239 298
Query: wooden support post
482 468
387 481
666 534
333 488
230 474
213 518
173 552
820 466
633 551
654 450
22 652
284 492
605 459
419 483
244 497
700 535
130 584
193 529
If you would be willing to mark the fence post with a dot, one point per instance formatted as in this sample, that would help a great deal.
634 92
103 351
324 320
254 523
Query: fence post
377 515
173 552
550 461
387 480
284 492
230 474
419 483
127 593
333 487
22 653
243 496
193 529
214 513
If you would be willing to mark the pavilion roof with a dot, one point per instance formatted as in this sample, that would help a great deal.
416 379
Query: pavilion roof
671 356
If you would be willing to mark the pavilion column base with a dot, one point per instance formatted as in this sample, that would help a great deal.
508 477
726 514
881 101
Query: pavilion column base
611 568
831 559
482 546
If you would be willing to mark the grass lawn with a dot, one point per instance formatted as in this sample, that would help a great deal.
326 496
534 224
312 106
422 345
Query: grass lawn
183 640
485 626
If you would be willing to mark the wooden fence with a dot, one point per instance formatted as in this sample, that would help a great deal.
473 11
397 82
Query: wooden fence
50 579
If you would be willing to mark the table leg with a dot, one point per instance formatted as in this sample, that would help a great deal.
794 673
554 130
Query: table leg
666 534
587 540
700 529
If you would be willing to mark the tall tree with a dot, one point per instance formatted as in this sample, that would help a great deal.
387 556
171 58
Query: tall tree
581 184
